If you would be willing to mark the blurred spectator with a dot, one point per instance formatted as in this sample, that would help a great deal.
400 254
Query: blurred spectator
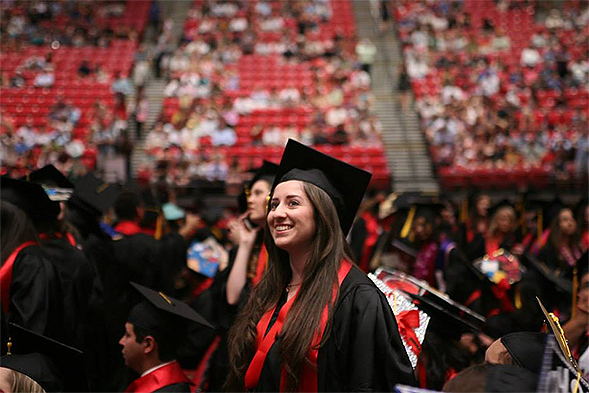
366 52
121 84
44 79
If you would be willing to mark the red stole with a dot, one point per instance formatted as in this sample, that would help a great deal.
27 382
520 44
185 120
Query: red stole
6 274
371 239
69 237
164 376
308 376
261 266
128 228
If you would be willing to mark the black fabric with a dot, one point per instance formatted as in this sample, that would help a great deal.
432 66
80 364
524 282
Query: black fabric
176 387
354 358
30 197
508 378
50 176
52 364
526 349
36 300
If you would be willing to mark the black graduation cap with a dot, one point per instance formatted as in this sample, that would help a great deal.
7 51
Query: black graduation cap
29 197
563 284
498 205
526 349
444 320
54 365
162 314
344 183
49 176
55 184
266 171
93 195
555 329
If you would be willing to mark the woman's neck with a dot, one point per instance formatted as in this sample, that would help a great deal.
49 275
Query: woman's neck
298 261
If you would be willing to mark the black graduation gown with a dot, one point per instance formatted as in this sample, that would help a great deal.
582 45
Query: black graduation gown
212 305
80 286
364 350
142 259
36 301
176 388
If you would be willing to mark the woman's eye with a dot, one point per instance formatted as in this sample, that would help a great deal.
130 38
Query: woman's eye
293 203
273 205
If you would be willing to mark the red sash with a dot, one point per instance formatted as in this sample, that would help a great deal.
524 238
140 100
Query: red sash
128 228
6 274
164 376
264 343
370 241
70 238
262 258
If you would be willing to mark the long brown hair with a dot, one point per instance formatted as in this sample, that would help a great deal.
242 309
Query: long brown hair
319 278
556 236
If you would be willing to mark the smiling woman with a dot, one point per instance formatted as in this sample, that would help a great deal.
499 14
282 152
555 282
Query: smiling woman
315 322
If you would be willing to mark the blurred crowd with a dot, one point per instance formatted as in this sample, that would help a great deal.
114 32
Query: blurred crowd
205 77
487 102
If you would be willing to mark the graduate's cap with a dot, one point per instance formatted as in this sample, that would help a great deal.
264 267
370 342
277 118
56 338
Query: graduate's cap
49 176
161 314
417 204
345 184
29 197
55 184
93 195
500 204
53 365
556 330
440 301
526 349
558 282
267 171
445 321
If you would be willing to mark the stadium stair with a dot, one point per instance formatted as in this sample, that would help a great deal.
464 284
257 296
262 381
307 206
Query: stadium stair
154 88
406 151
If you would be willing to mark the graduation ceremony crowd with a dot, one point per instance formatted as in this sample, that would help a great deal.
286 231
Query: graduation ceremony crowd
227 272
98 293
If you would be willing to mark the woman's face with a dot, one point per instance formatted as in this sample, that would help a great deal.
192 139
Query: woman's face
256 202
504 221
291 220
566 222
483 204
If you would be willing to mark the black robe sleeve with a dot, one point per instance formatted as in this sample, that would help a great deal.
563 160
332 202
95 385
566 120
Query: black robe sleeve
176 388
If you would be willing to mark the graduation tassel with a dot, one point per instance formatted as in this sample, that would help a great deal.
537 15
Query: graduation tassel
408 222
540 223
159 225
464 211
9 346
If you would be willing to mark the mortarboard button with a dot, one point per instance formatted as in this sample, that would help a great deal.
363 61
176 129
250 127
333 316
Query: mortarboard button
54 365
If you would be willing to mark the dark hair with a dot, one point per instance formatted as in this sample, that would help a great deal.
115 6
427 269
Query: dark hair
472 379
556 238
319 277
167 345
126 205
442 355
17 228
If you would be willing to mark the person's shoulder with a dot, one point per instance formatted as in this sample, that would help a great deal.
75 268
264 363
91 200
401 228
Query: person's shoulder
358 287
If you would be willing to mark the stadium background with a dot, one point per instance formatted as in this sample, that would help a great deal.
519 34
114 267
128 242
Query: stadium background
444 96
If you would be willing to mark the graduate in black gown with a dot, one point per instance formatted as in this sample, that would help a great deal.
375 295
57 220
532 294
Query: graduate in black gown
81 284
315 322
31 291
141 258
153 331
232 286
